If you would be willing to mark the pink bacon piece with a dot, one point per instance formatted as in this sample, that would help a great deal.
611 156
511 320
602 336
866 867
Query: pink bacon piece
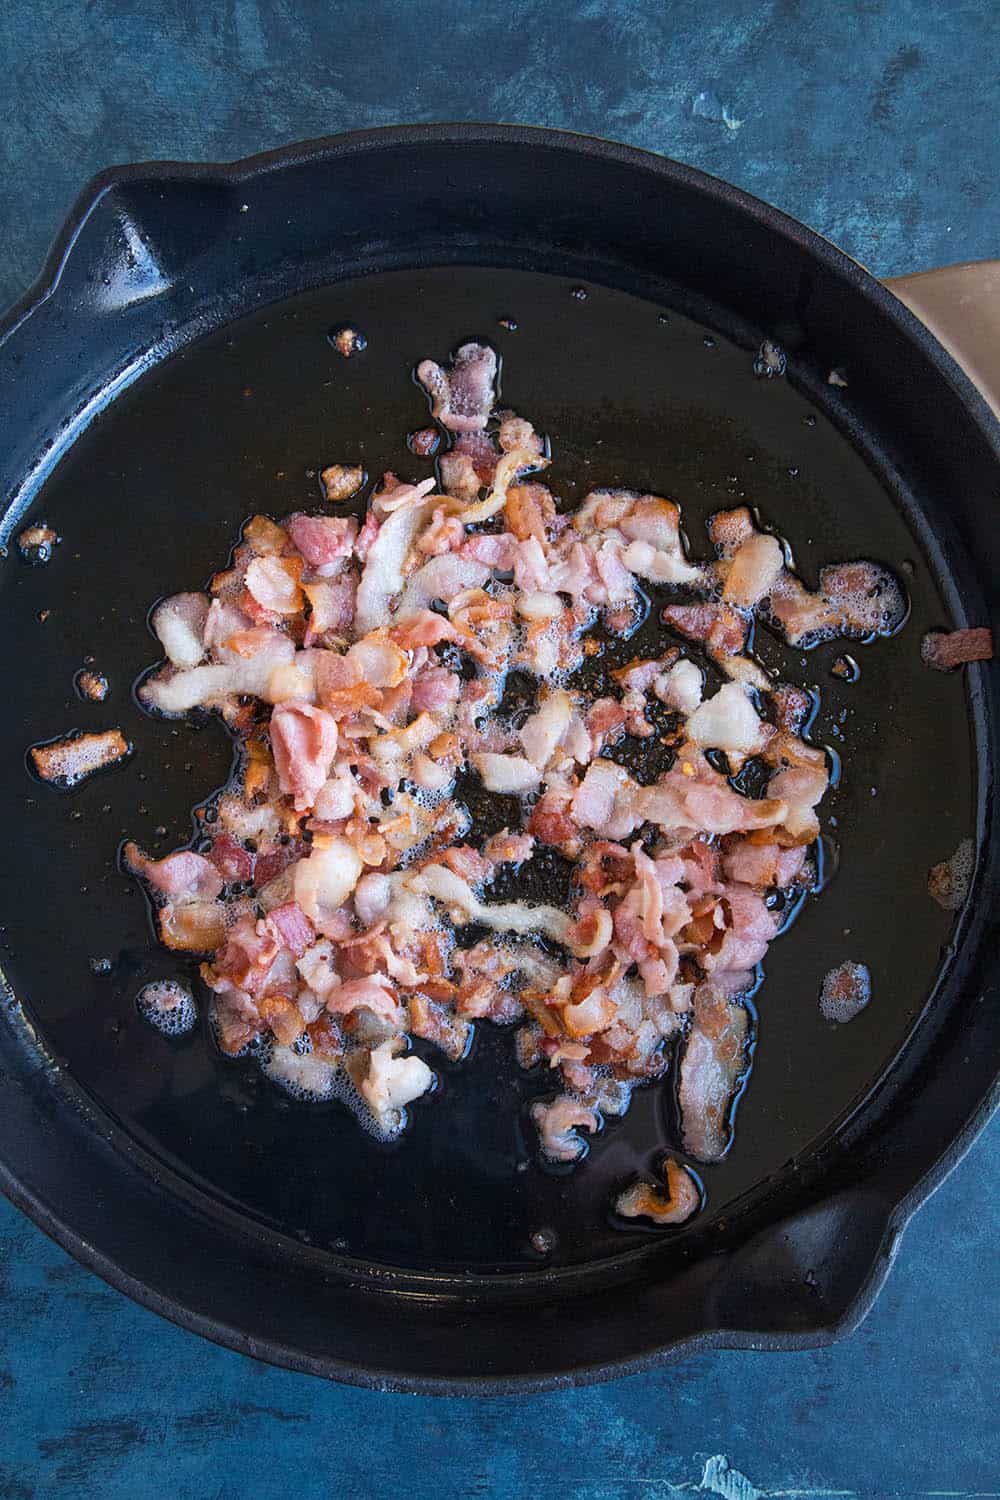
303 742
181 875
462 397
324 541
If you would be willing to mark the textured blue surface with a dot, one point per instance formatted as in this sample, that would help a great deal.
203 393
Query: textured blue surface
877 124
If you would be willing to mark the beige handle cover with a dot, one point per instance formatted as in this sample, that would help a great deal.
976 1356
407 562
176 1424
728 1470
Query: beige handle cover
961 307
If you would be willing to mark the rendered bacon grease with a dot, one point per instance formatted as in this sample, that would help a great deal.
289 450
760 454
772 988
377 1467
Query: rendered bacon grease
342 894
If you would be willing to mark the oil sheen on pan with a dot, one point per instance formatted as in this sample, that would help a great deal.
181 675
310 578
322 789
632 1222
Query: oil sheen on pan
537 735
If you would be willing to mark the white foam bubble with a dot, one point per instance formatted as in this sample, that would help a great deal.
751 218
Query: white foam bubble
168 1005
301 1075
431 798
459 820
312 1080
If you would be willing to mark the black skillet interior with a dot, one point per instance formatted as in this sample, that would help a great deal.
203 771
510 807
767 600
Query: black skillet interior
638 382
242 422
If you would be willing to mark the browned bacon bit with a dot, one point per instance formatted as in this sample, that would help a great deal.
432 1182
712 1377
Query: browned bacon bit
769 361
948 883
946 649
264 537
550 823
326 1038
192 926
65 763
282 1017
341 481
479 449
37 543
647 1200
236 1022
530 510
348 341
425 442
846 991
430 1021
91 686
845 668
508 848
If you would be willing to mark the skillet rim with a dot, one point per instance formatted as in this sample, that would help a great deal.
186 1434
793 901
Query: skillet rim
351 142
860 280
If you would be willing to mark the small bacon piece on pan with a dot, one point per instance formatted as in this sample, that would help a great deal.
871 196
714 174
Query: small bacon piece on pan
558 1123
273 583
182 876
461 398
324 541
192 926
265 537
67 762
647 1200
293 927
341 481
946 649
718 626
713 1060
845 992
948 883
92 685
303 742
382 578
231 859
179 625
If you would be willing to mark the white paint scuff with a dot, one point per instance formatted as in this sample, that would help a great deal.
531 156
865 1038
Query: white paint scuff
720 1478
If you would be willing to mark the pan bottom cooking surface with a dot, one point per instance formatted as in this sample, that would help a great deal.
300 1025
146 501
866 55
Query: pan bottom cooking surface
148 500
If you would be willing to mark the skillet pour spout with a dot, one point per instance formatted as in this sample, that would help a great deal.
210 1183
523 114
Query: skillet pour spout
168 374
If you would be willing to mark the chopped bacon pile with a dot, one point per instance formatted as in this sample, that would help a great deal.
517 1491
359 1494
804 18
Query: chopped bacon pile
361 663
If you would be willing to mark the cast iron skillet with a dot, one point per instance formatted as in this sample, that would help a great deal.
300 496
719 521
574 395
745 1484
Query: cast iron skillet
169 375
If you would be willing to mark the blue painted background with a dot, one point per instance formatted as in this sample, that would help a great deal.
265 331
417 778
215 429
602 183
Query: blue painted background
875 122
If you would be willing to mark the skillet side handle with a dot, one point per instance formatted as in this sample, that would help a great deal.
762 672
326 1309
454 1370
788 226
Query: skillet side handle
961 307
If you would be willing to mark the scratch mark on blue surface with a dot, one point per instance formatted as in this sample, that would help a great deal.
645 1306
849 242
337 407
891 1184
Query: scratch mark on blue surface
226 1420
728 1482
85 1446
